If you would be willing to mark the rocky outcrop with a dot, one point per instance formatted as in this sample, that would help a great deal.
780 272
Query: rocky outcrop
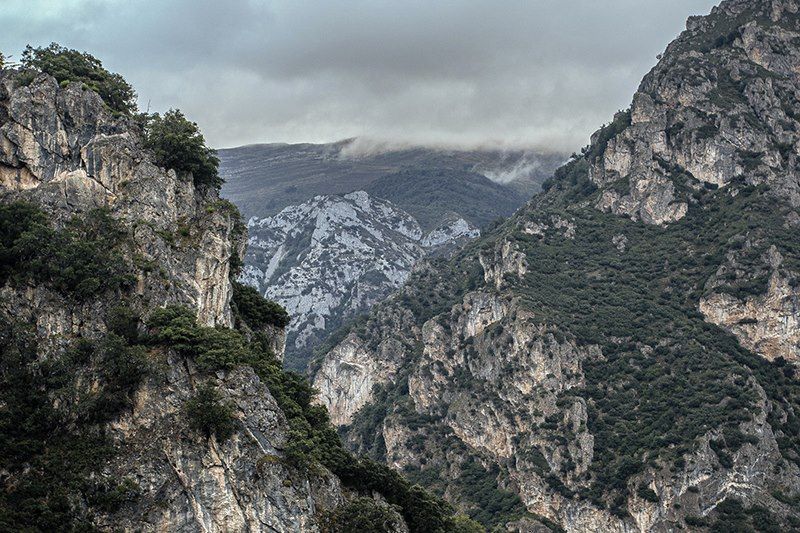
333 257
734 120
507 259
347 376
449 234
68 154
190 483
345 381
768 323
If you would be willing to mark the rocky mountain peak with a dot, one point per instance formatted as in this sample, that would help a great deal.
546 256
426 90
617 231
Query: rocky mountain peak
330 258
62 149
719 108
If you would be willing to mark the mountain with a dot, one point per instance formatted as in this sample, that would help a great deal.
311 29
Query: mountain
333 257
621 354
263 179
141 387
437 196
326 243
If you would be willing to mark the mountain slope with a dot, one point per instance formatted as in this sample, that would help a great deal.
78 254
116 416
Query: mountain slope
434 196
619 355
140 387
334 257
264 179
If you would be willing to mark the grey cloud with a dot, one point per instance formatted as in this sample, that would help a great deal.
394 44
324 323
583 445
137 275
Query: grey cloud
542 73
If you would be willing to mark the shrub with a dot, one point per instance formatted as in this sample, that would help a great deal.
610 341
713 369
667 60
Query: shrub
464 524
647 494
51 427
177 143
211 348
255 310
124 321
360 515
174 326
67 65
81 260
696 521
208 414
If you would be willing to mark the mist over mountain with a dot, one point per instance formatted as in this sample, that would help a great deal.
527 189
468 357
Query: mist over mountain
263 179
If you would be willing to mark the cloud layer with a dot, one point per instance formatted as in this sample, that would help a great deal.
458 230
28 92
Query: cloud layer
533 73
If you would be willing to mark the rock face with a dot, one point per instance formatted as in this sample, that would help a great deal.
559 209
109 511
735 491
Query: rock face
333 257
614 357
191 483
734 117
63 151
765 323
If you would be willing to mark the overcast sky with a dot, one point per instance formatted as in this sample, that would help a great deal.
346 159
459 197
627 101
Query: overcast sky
538 73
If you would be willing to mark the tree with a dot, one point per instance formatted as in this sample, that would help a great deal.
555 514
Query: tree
67 65
256 311
177 143
360 515
208 414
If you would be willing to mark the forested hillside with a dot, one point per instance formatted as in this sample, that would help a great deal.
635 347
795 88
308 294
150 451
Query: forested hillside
620 355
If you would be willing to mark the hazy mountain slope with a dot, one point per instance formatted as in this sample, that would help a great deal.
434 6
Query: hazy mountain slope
620 354
300 256
263 179
434 195
333 257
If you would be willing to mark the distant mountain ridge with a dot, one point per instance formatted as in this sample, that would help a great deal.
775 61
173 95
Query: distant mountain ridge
335 229
262 179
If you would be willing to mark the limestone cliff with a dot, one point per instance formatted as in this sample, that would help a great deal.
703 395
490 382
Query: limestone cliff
128 401
63 150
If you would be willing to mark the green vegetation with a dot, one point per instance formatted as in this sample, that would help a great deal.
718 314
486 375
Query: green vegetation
645 405
67 66
81 260
360 515
649 404
177 143
51 426
209 415
732 517
256 311
492 506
